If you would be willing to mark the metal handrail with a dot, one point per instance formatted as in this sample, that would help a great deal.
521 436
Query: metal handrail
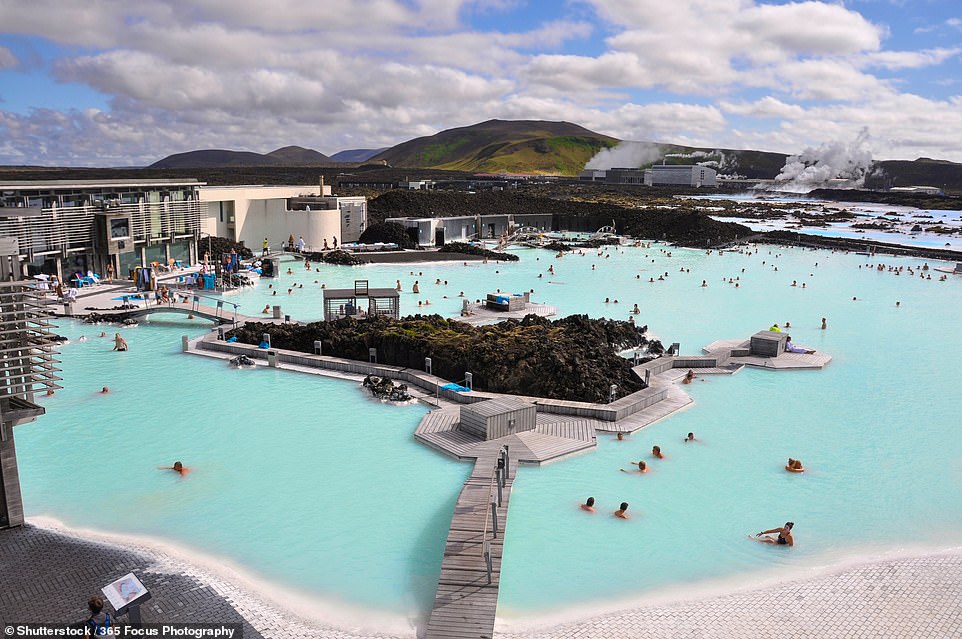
487 511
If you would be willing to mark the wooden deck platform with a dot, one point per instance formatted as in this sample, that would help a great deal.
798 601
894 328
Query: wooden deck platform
784 362
466 602
480 314
554 437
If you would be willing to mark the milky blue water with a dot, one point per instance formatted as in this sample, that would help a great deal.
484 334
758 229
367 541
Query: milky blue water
306 482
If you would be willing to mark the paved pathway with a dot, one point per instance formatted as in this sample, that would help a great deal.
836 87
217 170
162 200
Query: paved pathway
48 576
907 598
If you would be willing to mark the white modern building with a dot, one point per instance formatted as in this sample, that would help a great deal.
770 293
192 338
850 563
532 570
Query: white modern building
62 227
681 175
438 231
249 214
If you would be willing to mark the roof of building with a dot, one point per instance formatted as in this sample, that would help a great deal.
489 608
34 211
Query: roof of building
93 184
345 293
491 407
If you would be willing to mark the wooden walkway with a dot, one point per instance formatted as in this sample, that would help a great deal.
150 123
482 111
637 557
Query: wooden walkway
466 603
218 315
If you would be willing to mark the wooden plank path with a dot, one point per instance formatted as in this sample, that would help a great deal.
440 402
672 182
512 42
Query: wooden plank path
465 603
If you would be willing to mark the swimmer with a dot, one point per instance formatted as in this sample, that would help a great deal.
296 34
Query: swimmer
104 390
589 505
642 467
120 344
784 537
794 466
690 375
267 308
622 512
82 338
178 467
102 334
656 452
636 310
690 438
620 436
824 323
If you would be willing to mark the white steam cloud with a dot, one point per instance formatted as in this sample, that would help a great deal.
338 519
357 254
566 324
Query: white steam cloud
625 155
839 164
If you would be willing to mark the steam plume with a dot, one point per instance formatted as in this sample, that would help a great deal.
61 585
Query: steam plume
625 154
832 161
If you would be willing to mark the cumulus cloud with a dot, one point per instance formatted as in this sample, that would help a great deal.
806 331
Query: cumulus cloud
184 74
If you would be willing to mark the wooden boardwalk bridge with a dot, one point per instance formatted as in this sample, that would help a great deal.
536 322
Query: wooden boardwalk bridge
467 596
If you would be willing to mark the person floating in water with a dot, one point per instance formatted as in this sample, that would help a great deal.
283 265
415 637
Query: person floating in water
642 467
784 537
104 390
689 376
589 505
690 438
794 466
178 467
120 344
622 512
656 452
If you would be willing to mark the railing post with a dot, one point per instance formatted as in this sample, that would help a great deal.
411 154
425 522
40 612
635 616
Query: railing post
487 558
507 469
500 481
494 518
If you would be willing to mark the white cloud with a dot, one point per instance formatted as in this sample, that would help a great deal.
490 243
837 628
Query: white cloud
253 75
7 59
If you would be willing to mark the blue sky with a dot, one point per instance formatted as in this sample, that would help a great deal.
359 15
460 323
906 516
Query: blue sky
127 82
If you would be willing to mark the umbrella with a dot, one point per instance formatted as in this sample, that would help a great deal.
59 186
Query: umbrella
41 276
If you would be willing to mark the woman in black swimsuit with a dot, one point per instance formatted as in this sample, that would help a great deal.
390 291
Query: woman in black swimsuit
784 537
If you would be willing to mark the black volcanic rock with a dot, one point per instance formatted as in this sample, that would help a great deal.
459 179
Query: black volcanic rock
388 232
574 358
467 249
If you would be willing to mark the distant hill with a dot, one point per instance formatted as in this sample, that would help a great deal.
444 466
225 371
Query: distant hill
213 158
293 155
512 146
356 155
922 172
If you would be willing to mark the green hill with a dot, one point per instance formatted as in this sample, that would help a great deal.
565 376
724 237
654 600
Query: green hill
511 146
